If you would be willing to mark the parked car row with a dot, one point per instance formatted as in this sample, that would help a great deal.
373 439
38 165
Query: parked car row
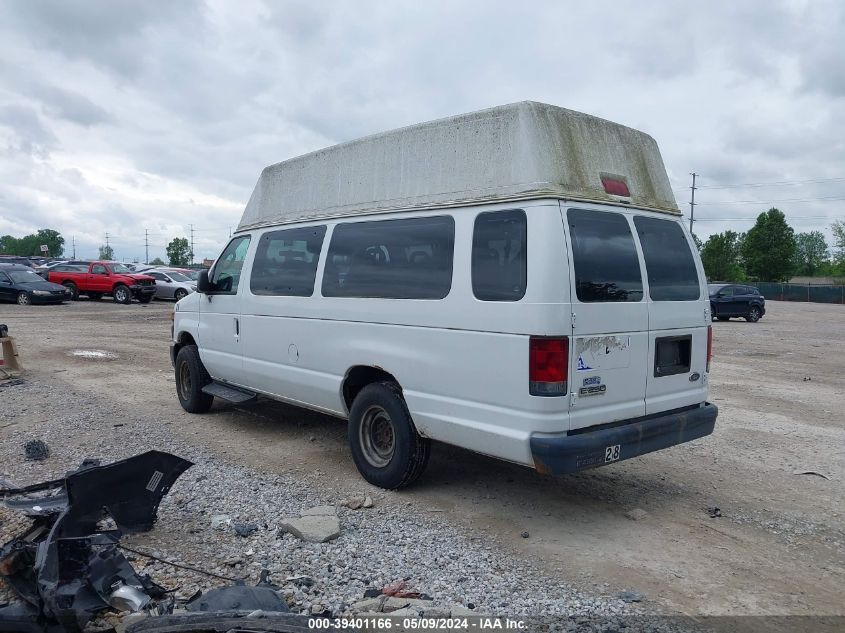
67 281
21 284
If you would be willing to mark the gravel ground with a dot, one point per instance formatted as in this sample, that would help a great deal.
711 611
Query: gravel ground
645 525
377 546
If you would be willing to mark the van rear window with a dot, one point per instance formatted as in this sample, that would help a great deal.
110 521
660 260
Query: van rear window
286 262
604 257
672 275
391 259
499 246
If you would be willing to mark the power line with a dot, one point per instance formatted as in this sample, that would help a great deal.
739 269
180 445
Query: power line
778 183
781 183
799 217
821 199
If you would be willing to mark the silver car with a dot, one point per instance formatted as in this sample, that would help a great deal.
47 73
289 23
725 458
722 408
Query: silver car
171 284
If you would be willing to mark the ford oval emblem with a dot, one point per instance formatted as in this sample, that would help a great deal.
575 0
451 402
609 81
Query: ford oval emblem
695 376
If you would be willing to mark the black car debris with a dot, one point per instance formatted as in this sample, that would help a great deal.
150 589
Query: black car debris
22 285
68 567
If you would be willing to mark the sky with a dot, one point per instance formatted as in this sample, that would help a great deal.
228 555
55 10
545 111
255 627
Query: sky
122 118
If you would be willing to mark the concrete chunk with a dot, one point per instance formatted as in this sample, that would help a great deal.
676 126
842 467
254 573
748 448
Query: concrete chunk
313 528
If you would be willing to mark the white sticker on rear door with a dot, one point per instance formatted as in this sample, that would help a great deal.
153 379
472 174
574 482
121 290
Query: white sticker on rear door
602 352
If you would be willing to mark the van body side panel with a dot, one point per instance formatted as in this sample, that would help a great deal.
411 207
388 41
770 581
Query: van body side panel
462 363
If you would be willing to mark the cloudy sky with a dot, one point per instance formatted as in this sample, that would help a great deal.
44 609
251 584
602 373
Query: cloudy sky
116 117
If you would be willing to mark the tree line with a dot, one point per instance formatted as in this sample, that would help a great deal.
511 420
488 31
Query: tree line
772 251
178 249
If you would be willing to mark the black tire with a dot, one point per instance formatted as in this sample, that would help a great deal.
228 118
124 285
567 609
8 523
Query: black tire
723 318
180 294
95 296
145 298
122 294
386 447
74 291
753 315
24 299
191 377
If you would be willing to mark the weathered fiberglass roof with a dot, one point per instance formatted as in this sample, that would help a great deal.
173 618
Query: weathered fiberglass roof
519 151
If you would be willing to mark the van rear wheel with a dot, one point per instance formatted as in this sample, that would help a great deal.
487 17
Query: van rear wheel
191 377
386 447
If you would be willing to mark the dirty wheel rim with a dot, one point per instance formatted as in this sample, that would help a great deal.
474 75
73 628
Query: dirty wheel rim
72 289
23 299
184 381
180 294
377 437
755 314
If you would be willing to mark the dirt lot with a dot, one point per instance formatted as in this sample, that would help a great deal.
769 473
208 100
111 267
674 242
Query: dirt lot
778 548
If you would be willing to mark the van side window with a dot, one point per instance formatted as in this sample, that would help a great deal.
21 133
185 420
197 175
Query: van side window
499 262
286 262
672 275
604 256
391 259
226 273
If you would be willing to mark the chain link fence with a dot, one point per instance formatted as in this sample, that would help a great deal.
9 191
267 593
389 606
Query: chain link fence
801 292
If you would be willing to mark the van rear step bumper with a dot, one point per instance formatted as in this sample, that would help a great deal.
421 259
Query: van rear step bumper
561 454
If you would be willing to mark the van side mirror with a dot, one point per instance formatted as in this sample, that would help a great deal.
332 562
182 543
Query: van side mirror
203 284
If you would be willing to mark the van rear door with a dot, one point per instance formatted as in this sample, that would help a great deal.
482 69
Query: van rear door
610 338
677 312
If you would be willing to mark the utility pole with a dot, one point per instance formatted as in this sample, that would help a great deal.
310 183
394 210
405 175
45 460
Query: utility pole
692 202
192 243
146 246
74 247
108 249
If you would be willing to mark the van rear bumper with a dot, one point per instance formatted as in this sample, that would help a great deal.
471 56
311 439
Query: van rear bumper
561 454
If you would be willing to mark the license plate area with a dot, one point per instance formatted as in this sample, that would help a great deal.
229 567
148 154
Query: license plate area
672 355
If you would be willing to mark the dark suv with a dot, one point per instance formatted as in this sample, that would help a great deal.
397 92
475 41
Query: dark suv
735 300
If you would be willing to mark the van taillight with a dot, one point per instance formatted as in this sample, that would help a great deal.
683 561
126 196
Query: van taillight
548 366
709 346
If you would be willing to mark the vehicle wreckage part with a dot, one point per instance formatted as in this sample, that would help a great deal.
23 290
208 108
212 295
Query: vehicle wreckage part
130 491
64 567
239 598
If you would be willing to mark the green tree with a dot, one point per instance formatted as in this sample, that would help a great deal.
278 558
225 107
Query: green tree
179 252
106 253
838 229
8 245
769 248
811 252
698 243
157 262
721 257
31 244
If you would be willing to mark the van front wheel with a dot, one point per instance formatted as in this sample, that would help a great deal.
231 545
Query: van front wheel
191 377
386 447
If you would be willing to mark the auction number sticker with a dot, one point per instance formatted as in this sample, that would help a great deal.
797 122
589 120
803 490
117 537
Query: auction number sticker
611 453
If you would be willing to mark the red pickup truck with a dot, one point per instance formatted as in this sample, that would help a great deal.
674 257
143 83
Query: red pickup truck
106 278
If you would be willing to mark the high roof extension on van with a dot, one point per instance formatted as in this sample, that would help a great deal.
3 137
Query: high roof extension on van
525 150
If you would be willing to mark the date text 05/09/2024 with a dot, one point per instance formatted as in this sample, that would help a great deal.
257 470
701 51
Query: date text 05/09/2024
387 622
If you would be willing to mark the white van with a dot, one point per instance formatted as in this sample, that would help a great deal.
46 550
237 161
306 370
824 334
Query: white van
515 281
